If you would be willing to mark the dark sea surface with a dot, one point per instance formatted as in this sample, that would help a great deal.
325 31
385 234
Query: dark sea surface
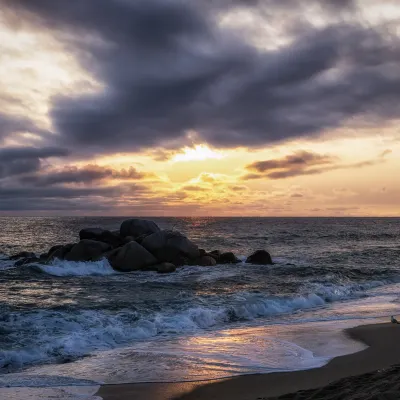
76 319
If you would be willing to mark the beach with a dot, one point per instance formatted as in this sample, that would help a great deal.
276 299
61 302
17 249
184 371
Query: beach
363 375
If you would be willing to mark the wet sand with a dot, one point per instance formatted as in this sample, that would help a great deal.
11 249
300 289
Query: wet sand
374 362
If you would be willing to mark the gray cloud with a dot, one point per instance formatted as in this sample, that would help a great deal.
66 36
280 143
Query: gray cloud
18 153
22 160
85 175
60 198
301 164
168 68
12 124
298 160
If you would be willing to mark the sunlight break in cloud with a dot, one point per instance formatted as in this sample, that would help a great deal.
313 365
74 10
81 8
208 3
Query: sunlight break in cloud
199 152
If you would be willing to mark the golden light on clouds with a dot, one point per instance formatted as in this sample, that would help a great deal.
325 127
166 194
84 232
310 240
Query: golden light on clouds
199 152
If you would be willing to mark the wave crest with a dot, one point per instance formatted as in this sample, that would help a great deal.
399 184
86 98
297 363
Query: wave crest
72 268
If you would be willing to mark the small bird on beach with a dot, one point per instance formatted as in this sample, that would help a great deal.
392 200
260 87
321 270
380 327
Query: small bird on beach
393 320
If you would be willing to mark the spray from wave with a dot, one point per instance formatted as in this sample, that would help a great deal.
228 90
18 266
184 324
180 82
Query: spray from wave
71 268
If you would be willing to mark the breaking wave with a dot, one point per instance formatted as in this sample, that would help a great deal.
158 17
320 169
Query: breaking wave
59 336
71 268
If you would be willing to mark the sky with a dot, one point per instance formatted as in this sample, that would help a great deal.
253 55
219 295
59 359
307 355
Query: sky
200 107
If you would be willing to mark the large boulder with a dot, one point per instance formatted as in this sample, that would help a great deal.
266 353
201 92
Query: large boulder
260 257
137 227
228 258
87 250
167 246
131 257
101 235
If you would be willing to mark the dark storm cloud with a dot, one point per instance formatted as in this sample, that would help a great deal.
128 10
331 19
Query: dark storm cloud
87 174
23 160
26 153
301 164
168 68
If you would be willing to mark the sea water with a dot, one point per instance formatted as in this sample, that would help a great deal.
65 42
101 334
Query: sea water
71 325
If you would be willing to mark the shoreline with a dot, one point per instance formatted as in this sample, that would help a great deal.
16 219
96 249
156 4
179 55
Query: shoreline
383 351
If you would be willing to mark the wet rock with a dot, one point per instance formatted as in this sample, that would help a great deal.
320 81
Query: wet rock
136 227
228 258
165 268
131 257
167 245
101 235
128 239
59 251
54 248
260 257
23 254
87 250
215 254
140 238
205 261
180 260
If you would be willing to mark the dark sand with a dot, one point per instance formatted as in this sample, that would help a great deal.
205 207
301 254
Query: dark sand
379 381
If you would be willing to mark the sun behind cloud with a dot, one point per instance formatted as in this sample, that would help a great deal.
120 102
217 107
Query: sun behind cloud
199 152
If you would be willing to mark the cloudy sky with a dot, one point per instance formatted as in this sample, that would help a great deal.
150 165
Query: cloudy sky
200 107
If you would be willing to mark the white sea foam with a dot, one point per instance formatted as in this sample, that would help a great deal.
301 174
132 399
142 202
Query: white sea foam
71 268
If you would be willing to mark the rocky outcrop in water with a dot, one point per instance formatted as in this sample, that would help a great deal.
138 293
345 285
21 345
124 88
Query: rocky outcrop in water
139 245
228 258
205 261
260 257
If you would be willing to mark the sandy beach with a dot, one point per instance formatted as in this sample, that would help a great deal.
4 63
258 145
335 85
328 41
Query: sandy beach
364 375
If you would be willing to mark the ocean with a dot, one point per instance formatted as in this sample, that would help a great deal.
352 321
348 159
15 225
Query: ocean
81 324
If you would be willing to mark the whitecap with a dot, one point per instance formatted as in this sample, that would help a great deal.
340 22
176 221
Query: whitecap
72 268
